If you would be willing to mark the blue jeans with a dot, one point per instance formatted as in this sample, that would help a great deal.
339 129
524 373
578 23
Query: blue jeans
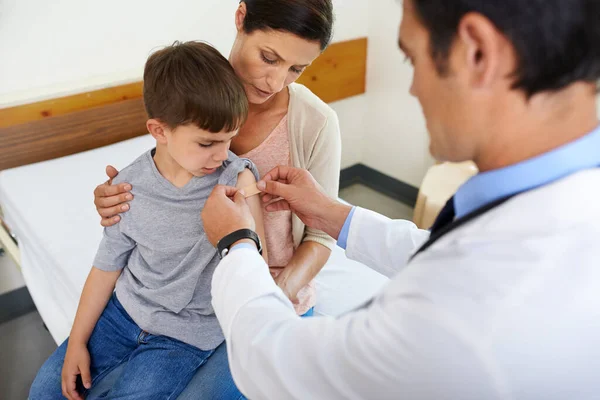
150 367
212 381
309 313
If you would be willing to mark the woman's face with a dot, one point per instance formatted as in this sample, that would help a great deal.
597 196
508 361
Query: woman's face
267 61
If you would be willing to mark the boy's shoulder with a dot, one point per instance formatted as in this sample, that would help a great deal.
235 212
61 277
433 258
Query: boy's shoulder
139 171
233 166
136 171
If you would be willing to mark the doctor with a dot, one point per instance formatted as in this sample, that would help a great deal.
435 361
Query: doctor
502 300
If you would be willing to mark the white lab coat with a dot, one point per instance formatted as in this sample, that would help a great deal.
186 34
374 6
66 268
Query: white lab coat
505 307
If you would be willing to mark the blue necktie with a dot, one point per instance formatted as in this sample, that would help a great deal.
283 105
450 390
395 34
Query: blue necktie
445 217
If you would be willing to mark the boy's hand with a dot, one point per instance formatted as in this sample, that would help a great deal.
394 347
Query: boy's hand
225 211
77 362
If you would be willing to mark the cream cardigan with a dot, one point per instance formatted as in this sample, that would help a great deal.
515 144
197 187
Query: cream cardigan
315 145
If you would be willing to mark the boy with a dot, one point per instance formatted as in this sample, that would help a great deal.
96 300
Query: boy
159 321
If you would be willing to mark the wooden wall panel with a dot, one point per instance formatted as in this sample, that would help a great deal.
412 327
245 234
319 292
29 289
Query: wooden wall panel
340 72
71 133
68 104
67 125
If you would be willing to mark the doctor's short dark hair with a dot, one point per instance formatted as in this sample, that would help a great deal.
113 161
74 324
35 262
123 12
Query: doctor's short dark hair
192 83
309 19
557 41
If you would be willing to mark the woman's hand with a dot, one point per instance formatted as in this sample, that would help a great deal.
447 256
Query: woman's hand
308 259
287 282
77 362
111 200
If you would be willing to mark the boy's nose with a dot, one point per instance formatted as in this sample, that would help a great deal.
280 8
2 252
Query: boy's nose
223 154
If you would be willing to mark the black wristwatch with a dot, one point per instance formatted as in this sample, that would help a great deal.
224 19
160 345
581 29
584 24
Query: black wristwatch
226 242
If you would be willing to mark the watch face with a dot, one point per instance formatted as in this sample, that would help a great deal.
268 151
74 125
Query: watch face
224 252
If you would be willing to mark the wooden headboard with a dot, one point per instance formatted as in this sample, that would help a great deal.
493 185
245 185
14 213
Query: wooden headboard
58 127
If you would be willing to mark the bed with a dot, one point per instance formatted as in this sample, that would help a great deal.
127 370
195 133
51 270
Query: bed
53 154
49 208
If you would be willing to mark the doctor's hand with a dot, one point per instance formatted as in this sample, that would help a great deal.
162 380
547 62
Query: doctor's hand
226 211
295 189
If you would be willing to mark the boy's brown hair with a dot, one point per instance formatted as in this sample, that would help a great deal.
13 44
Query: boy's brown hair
192 83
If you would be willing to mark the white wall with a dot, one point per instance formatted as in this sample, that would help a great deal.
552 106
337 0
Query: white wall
51 48
395 141
353 115
351 23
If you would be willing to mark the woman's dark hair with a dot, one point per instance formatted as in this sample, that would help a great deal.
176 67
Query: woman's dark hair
308 19
557 41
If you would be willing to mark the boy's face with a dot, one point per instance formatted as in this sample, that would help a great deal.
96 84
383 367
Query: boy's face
197 151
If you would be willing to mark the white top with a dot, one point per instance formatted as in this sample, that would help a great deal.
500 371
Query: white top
315 145
506 306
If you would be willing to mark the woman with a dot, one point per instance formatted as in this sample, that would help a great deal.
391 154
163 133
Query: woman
287 125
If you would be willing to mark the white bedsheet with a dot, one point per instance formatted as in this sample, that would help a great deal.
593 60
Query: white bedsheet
49 206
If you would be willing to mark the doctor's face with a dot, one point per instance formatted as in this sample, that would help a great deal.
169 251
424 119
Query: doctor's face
444 98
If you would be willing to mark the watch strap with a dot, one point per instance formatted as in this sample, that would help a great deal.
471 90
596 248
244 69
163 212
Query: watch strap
225 243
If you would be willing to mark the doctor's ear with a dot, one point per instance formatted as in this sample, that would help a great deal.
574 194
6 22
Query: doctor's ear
157 130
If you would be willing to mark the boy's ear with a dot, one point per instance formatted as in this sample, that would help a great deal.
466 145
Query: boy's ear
157 130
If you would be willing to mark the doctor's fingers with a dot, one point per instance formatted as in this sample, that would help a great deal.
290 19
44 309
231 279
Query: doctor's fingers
223 191
279 173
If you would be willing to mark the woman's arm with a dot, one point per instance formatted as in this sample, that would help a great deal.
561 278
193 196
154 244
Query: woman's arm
111 200
324 166
307 261
314 251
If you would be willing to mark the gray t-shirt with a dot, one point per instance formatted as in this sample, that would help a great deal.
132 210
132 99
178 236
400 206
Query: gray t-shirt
166 259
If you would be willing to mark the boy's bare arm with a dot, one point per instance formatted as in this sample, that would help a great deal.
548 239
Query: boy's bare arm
245 180
250 190
97 290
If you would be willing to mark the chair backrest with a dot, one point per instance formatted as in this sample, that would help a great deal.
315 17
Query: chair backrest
440 183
